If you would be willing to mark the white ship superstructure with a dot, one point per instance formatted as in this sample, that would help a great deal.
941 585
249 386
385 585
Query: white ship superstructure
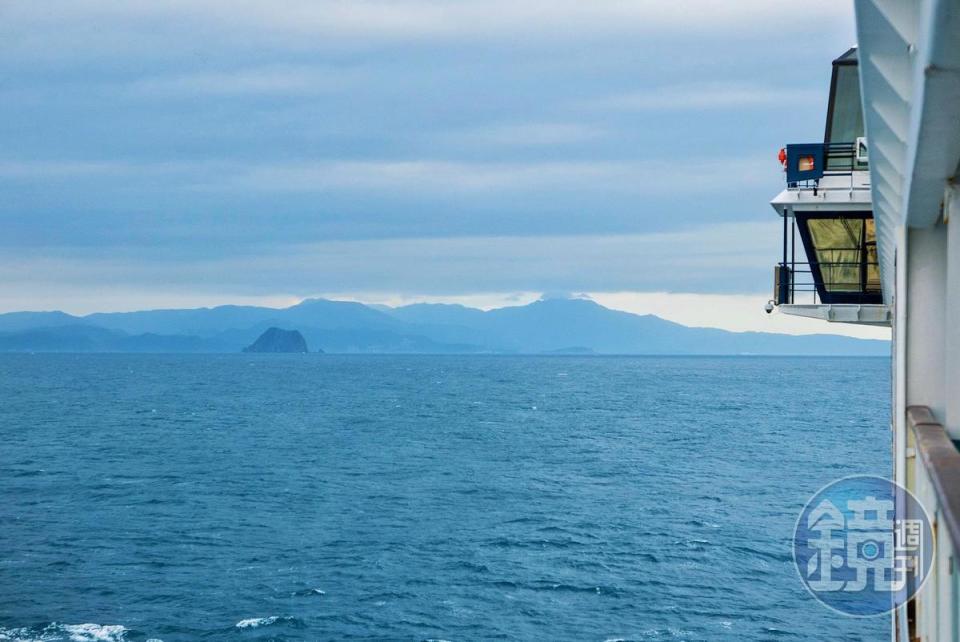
876 211
827 211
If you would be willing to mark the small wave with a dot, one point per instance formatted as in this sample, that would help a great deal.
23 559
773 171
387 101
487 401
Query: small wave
308 592
711 498
55 632
775 555
473 567
387 596
28 473
694 543
538 543
562 587
669 632
16 635
95 632
254 622
701 523
773 631
257 622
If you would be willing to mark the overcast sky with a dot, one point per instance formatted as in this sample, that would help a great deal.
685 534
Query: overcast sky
197 152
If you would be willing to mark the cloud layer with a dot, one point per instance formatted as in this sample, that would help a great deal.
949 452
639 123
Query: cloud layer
244 147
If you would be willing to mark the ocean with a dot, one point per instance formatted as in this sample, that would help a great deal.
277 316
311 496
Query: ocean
325 497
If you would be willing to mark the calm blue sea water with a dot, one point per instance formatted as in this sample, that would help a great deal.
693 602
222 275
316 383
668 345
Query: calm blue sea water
318 497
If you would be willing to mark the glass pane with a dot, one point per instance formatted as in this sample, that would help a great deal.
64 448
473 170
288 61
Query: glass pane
873 263
837 243
847 122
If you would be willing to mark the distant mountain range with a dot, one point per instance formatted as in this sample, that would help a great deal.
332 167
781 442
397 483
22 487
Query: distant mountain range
558 326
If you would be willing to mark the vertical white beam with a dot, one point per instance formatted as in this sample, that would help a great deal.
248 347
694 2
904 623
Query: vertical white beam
951 419
926 310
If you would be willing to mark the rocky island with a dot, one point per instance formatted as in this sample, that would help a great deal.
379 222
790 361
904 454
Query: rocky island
278 340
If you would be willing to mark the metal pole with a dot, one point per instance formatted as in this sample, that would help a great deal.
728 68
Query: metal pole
862 251
781 272
784 238
793 257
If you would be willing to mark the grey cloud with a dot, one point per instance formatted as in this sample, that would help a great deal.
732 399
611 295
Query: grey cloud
423 177
737 253
526 134
430 176
708 96
301 22
227 146
284 80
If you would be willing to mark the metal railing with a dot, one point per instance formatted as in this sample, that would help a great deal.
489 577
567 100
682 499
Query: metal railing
808 283
806 163
841 158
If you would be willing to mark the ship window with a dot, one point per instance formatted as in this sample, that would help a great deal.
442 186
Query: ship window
838 242
842 251
844 113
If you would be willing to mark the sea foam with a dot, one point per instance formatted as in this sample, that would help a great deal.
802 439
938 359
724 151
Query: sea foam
254 622
55 632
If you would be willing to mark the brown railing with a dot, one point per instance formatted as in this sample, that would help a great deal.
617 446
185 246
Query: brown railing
942 462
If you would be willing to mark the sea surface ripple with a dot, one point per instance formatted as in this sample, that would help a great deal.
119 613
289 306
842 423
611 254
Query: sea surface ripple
322 497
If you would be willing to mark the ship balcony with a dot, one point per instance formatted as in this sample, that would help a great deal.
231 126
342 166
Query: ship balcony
836 274
827 167
830 282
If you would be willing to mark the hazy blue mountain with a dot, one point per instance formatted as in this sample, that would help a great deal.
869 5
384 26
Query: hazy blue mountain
199 321
381 341
321 313
86 338
576 324
18 321
438 314
318 313
548 326
64 338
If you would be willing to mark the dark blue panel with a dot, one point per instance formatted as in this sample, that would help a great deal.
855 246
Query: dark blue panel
806 152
